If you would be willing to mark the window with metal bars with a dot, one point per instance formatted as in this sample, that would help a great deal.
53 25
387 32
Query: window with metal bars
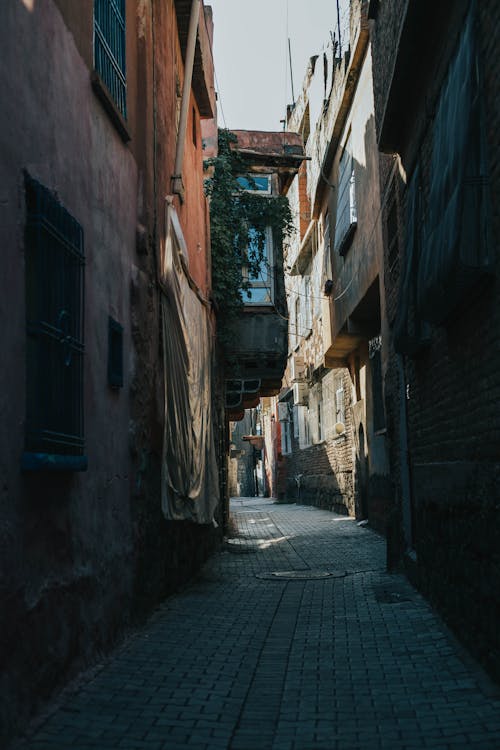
54 263
339 404
286 438
109 49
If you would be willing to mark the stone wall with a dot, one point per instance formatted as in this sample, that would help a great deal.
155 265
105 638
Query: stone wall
322 473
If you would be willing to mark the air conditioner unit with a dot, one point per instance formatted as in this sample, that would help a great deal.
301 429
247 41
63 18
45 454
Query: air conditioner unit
297 369
300 394
283 413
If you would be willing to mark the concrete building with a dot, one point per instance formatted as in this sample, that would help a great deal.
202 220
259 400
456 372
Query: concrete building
436 105
103 510
331 407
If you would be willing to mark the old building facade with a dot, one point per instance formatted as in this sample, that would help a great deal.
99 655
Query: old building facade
255 361
437 118
331 407
102 103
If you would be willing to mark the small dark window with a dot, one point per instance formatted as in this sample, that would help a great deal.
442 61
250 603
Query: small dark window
109 49
54 264
115 354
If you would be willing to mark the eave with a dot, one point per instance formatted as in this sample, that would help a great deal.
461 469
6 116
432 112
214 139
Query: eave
343 108
281 152
413 70
203 71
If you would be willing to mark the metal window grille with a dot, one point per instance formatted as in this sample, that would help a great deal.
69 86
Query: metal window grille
307 312
296 420
298 321
54 318
286 438
340 405
109 49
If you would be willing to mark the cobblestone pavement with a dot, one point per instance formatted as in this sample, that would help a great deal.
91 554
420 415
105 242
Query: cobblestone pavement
246 661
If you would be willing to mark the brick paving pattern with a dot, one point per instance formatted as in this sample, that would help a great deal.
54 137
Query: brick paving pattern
238 661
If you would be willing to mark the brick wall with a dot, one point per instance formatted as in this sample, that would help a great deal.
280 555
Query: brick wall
453 385
322 474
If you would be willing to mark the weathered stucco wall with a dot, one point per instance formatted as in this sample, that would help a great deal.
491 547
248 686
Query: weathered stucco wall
81 554
66 540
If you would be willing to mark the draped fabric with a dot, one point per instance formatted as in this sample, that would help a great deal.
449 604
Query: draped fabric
455 247
189 468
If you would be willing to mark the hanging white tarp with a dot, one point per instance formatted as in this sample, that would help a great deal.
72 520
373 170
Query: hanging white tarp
189 468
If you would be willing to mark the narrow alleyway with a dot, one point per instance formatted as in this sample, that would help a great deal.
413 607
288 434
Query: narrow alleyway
246 660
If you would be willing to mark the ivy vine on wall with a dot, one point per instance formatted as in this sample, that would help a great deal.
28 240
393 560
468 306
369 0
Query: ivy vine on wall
238 223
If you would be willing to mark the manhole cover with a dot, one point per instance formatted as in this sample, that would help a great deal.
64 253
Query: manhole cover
299 575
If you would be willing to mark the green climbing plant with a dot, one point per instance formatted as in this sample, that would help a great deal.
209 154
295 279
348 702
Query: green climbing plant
239 221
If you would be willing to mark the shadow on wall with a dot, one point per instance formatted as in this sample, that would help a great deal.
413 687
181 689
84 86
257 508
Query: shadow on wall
361 494
168 553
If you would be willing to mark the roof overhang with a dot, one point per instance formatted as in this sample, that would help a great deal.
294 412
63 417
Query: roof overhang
203 70
413 69
279 151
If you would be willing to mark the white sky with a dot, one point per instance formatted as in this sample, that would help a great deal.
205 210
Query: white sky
251 55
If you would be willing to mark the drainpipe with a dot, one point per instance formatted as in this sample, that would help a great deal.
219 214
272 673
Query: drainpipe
405 455
177 184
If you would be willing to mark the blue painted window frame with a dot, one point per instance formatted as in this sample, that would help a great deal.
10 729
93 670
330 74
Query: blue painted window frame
110 50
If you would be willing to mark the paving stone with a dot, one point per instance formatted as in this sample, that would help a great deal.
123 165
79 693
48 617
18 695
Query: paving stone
236 662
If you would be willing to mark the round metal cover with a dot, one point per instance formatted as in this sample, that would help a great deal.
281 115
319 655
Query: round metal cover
299 575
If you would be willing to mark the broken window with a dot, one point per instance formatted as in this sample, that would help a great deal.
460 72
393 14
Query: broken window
255 183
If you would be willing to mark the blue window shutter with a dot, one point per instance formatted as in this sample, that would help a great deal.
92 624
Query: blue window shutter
109 49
